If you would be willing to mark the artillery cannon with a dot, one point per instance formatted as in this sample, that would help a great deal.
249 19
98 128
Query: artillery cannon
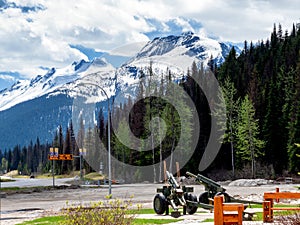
212 189
175 196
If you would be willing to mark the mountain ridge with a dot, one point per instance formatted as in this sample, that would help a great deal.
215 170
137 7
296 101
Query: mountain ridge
55 90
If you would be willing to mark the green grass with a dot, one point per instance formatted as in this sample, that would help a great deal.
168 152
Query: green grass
285 205
49 220
6 180
255 206
141 211
54 220
94 176
11 189
259 215
19 189
258 206
208 220
154 221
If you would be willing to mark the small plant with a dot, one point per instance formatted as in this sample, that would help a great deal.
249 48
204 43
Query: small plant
289 219
110 212
298 146
44 220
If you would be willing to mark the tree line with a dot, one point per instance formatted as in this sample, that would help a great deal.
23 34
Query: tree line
268 75
260 87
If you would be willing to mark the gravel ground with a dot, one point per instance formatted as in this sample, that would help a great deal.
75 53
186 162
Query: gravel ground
16 208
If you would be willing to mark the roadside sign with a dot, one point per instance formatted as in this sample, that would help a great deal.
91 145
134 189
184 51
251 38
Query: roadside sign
82 151
65 157
53 152
52 157
60 157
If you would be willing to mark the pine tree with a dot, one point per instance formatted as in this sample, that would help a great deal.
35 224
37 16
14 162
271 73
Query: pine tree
16 156
89 145
121 148
101 124
229 93
294 124
249 146
68 148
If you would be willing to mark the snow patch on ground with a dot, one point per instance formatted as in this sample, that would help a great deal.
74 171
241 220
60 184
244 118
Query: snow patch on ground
250 182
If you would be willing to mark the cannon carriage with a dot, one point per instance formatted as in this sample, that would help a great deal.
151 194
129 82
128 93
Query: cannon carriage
175 196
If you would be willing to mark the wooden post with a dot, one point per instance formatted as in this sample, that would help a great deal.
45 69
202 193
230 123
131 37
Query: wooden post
240 214
277 191
267 212
218 210
227 213
268 204
177 170
165 172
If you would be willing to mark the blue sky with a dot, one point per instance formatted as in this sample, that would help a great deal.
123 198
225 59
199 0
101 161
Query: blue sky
40 34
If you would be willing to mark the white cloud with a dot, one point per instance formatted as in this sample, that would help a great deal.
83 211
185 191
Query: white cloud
7 77
37 38
129 49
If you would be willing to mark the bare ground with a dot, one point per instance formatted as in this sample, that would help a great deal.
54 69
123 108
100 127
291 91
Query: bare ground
16 208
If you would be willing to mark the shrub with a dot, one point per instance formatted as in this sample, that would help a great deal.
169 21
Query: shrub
289 220
110 212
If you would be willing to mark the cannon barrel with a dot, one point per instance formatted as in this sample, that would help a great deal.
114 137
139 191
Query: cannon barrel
212 189
172 180
191 174
208 183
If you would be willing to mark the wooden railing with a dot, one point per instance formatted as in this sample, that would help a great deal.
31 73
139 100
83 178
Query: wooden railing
268 203
227 213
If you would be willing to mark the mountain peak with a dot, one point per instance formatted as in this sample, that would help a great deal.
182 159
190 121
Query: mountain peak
174 52
182 50
187 33
55 90
100 61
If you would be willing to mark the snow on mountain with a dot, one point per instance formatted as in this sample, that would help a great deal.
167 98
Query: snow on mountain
48 100
54 79
180 51
88 86
176 53
173 53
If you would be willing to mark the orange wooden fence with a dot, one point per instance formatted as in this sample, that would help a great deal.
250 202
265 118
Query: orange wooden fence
268 203
227 213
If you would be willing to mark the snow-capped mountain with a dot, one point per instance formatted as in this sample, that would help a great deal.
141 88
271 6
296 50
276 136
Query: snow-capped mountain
45 102
180 50
54 79
174 53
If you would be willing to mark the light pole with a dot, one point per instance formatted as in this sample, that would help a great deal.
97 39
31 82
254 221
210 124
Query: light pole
82 151
108 135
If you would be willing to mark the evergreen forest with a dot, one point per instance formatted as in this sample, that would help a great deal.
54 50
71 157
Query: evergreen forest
261 90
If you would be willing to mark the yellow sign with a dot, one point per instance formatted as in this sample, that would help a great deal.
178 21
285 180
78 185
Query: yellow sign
65 157
60 157
51 157
53 153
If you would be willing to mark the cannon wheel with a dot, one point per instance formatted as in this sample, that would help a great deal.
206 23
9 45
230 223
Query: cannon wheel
203 198
191 209
226 196
159 204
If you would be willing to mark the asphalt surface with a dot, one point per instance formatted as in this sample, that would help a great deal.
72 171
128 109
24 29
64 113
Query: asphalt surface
26 206
24 182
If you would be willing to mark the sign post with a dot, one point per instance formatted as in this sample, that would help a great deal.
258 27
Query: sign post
82 152
55 156
80 162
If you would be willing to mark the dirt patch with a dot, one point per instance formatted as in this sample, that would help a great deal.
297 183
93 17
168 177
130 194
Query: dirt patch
51 200
30 190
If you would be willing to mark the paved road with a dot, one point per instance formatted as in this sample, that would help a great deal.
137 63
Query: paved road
24 182
19 207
